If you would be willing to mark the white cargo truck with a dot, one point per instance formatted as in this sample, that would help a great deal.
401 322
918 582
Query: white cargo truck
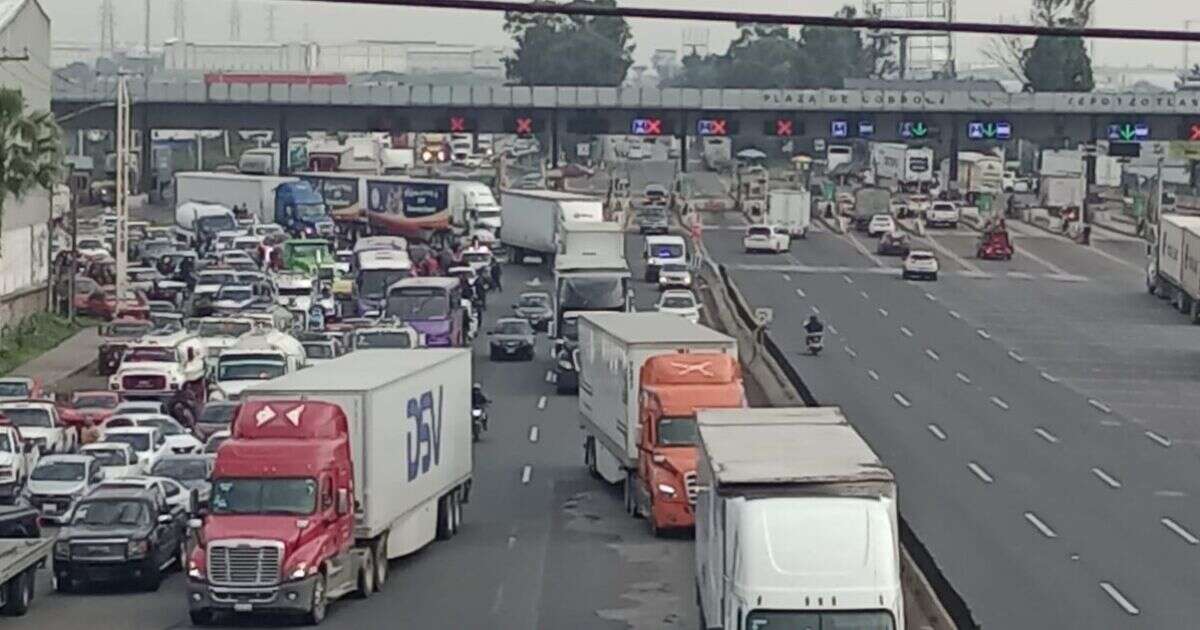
1062 191
978 173
288 201
796 523
1174 269
600 239
909 168
532 219
791 209
612 349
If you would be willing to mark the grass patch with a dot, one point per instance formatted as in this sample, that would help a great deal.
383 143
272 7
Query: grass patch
33 336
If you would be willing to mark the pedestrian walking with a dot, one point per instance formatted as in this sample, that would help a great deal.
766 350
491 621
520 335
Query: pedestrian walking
495 273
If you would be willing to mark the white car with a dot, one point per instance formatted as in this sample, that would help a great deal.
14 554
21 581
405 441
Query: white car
175 494
179 439
149 444
93 248
767 238
920 264
881 224
39 423
209 281
672 275
680 302
117 459
942 213
138 406
58 481
265 229
16 461
215 441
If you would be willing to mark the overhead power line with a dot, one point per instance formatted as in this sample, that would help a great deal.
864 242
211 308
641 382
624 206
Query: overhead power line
785 19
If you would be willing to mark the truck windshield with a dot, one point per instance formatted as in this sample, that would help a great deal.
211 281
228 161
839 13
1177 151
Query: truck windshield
807 620
418 303
382 340
677 432
125 329
372 283
214 224
39 418
592 294
667 250
264 496
310 210
249 370
150 355
223 329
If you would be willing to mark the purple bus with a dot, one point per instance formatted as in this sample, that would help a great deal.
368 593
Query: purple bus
433 306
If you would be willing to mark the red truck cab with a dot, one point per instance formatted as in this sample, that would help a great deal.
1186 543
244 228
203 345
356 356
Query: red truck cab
279 536
673 387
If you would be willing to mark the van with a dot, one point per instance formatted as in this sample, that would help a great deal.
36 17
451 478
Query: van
661 250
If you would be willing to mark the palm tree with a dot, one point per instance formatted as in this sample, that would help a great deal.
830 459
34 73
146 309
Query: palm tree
30 149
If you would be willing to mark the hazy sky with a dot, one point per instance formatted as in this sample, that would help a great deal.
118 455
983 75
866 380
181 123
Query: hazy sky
208 20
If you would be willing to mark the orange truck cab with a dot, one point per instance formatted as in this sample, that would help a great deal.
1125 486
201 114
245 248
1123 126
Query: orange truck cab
673 387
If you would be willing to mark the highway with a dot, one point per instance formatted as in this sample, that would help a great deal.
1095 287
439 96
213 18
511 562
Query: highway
1037 412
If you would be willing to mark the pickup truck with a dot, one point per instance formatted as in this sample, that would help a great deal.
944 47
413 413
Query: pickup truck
22 552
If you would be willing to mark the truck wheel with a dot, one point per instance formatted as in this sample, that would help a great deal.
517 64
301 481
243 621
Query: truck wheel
381 562
589 456
456 512
20 593
63 583
201 617
366 576
152 579
318 606
631 507
444 531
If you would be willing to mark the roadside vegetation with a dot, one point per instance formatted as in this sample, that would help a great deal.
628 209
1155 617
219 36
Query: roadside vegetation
31 337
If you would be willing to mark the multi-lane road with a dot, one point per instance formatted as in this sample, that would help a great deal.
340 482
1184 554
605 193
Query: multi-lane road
1038 412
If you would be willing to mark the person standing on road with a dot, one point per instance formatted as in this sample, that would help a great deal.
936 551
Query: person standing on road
494 268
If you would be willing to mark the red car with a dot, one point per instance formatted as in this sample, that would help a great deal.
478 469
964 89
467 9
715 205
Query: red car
994 245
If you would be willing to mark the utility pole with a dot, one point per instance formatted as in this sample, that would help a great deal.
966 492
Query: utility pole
270 22
108 21
180 19
124 140
235 21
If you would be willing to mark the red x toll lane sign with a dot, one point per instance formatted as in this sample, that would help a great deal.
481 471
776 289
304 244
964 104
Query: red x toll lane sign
647 127
783 127
1194 132
712 127
458 123
524 125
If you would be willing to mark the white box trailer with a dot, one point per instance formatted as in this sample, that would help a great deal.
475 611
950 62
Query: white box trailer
909 167
1063 191
796 523
1174 269
387 395
600 239
255 193
612 349
791 209
532 219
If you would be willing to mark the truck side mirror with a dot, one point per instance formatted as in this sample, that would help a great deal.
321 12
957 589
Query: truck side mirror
343 501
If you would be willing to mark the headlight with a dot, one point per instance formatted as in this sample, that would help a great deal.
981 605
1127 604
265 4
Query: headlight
566 364
476 413
667 490
302 570
62 549
137 548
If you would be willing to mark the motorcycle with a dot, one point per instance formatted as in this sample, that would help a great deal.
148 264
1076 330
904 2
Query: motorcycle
479 421
815 343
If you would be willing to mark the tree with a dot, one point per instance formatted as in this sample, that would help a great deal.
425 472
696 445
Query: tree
832 54
569 50
30 149
1050 64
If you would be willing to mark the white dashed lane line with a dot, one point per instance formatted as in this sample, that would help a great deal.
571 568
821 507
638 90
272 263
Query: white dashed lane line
1180 531
1158 439
932 355
980 472
905 331
937 432
1040 525
1120 599
955 315
526 474
1049 377
832 330
1012 354
963 377
883 312
999 402
901 400
533 433
1099 405
542 402
801 293
549 376
850 351
848 279
864 295
930 297
983 333
873 374
1046 435
1109 480
816 310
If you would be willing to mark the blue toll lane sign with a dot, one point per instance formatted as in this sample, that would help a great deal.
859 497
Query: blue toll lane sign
989 130
839 129
866 129
1129 132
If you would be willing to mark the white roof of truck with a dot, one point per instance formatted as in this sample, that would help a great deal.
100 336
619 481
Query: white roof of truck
554 195
587 262
654 327
802 445
359 371
592 226
1184 222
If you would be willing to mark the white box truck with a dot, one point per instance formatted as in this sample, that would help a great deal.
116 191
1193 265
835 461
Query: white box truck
791 209
368 458
1062 191
612 349
600 239
1174 269
796 523
288 201
532 219
910 168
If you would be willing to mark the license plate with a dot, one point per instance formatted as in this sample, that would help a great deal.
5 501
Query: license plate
243 607
49 507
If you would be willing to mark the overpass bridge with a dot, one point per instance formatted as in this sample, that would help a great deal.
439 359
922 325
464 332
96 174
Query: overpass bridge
946 120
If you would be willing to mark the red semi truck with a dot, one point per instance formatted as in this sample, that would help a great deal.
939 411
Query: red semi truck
330 472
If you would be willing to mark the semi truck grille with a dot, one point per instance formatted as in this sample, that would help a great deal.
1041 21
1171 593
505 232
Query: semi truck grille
689 483
244 563
143 381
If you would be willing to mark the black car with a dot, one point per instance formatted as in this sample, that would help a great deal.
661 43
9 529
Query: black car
217 415
652 221
536 309
512 338
119 535
893 244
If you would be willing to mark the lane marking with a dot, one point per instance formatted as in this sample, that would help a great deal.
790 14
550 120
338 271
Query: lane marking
862 250
1049 377
1020 275
905 331
955 315
499 601
1099 405
526 473
899 398
848 279
883 312
1040 525
931 297
963 377
999 402
816 310
1055 269
850 351
533 433
1170 494
832 329
864 295
542 402
549 376
1119 598
787 277
512 542
1187 536
1158 439
980 472
932 355
948 253
1012 354
1108 479
937 432
873 374
983 333
1046 435
1117 259
801 293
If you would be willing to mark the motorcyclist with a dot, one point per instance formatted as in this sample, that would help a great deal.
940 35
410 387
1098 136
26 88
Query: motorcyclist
478 398
814 327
